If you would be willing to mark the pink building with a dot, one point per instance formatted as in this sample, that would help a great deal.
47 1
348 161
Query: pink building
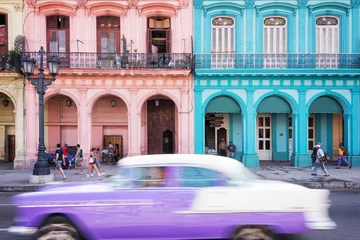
124 77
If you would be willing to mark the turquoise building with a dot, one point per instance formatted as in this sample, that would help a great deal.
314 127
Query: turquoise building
275 77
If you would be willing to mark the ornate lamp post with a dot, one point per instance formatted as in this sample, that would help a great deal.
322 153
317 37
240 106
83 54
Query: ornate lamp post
41 172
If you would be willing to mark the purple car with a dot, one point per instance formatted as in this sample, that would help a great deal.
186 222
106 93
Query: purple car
173 197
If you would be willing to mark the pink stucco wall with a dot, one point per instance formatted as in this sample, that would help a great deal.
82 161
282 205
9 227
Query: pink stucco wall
91 90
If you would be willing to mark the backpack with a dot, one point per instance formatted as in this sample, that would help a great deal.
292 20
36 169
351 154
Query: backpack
81 153
326 157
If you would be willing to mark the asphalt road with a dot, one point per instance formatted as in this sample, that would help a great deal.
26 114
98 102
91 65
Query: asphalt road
345 210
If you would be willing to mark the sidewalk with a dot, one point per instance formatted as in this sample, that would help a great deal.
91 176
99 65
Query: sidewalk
344 178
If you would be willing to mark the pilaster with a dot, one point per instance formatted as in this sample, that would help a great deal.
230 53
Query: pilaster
302 27
354 129
198 13
199 125
82 122
250 8
31 134
250 157
19 161
184 124
355 22
134 124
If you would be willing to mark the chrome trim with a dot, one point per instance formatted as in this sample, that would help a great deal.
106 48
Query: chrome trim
321 225
22 231
87 205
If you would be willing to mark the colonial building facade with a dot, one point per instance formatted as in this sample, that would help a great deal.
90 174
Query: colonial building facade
277 77
12 124
125 75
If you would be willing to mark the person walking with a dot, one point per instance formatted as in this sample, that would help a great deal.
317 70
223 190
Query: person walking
117 152
232 150
313 155
91 164
59 160
222 148
97 162
343 153
320 161
78 159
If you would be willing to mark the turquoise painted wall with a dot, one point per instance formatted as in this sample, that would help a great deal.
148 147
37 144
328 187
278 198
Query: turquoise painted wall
236 136
280 137
324 132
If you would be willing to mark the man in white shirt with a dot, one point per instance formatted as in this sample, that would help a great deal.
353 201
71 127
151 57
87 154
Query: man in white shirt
319 161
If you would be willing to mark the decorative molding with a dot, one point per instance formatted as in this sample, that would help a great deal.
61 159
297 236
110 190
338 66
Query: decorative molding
294 12
133 4
302 3
249 4
31 3
355 3
184 4
19 7
198 4
82 3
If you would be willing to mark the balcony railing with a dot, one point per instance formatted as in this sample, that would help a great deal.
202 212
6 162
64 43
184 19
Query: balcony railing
121 61
277 61
10 63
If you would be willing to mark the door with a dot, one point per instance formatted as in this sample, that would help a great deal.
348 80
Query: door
311 133
221 134
290 137
11 148
264 140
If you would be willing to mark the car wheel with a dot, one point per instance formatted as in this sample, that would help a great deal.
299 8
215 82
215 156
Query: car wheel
57 228
253 233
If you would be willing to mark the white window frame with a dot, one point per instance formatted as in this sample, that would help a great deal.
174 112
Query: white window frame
327 56
277 58
264 154
314 133
224 56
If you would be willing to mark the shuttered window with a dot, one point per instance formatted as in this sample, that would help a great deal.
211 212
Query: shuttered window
275 42
327 41
223 42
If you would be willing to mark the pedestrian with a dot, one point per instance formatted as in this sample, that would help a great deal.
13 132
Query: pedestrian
97 162
232 150
320 161
222 148
343 153
313 155
111 153
117 152
78 159
59 159
66 154
91 164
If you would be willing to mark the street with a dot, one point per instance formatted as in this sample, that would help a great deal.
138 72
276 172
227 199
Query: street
345 211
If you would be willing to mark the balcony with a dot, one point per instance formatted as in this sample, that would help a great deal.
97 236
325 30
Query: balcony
120 61
10 63
277 61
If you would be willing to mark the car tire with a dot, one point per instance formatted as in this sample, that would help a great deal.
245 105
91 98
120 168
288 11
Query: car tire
57 227
253 233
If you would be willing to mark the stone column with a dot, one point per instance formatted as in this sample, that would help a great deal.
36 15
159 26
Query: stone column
19 161
30 128
250 157
134 124
301 157
199 125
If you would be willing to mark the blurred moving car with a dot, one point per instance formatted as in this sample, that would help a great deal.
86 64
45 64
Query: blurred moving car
173 197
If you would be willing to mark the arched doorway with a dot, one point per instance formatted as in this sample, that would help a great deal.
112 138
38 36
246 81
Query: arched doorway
110 123
61 123
326 125
7 129
223 121
159 125
274 129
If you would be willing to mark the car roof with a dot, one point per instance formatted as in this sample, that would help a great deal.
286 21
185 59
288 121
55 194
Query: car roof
225 165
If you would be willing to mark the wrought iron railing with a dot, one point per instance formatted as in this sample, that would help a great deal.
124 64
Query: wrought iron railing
277 61
10 63
121 61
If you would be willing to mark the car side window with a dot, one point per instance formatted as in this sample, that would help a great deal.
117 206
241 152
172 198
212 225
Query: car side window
149 177
201 177
122 179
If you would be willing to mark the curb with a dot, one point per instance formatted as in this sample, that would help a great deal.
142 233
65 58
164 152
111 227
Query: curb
313 185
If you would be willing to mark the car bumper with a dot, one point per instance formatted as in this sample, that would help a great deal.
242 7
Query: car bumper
321 225
22 231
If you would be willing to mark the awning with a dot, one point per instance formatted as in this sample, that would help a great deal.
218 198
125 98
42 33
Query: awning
223 104
326 105
274 104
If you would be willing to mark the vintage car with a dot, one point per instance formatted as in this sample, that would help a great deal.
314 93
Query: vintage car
172 197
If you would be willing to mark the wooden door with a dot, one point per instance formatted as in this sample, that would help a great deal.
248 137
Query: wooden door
161 126
11 148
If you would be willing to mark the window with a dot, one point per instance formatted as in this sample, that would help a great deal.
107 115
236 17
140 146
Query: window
57 29
159 35
275 42
223 42
311 133
327 42
201 177
108 35
3 33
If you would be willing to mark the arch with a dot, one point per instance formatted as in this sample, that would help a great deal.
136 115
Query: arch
274 104
229 94
156 9
224 6
9 95
346 106
51 94
4 11
288 98
223 104
50 8
99 95
107 8
142 101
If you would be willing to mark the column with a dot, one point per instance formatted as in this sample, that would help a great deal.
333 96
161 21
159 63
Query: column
355 24
302 26
184 124
84 125
301 157
19 161
354 130
250 157
134 124
199 125
2 142
198 5
31 128
249 5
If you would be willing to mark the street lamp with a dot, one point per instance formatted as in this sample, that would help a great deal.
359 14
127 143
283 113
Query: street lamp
41 172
